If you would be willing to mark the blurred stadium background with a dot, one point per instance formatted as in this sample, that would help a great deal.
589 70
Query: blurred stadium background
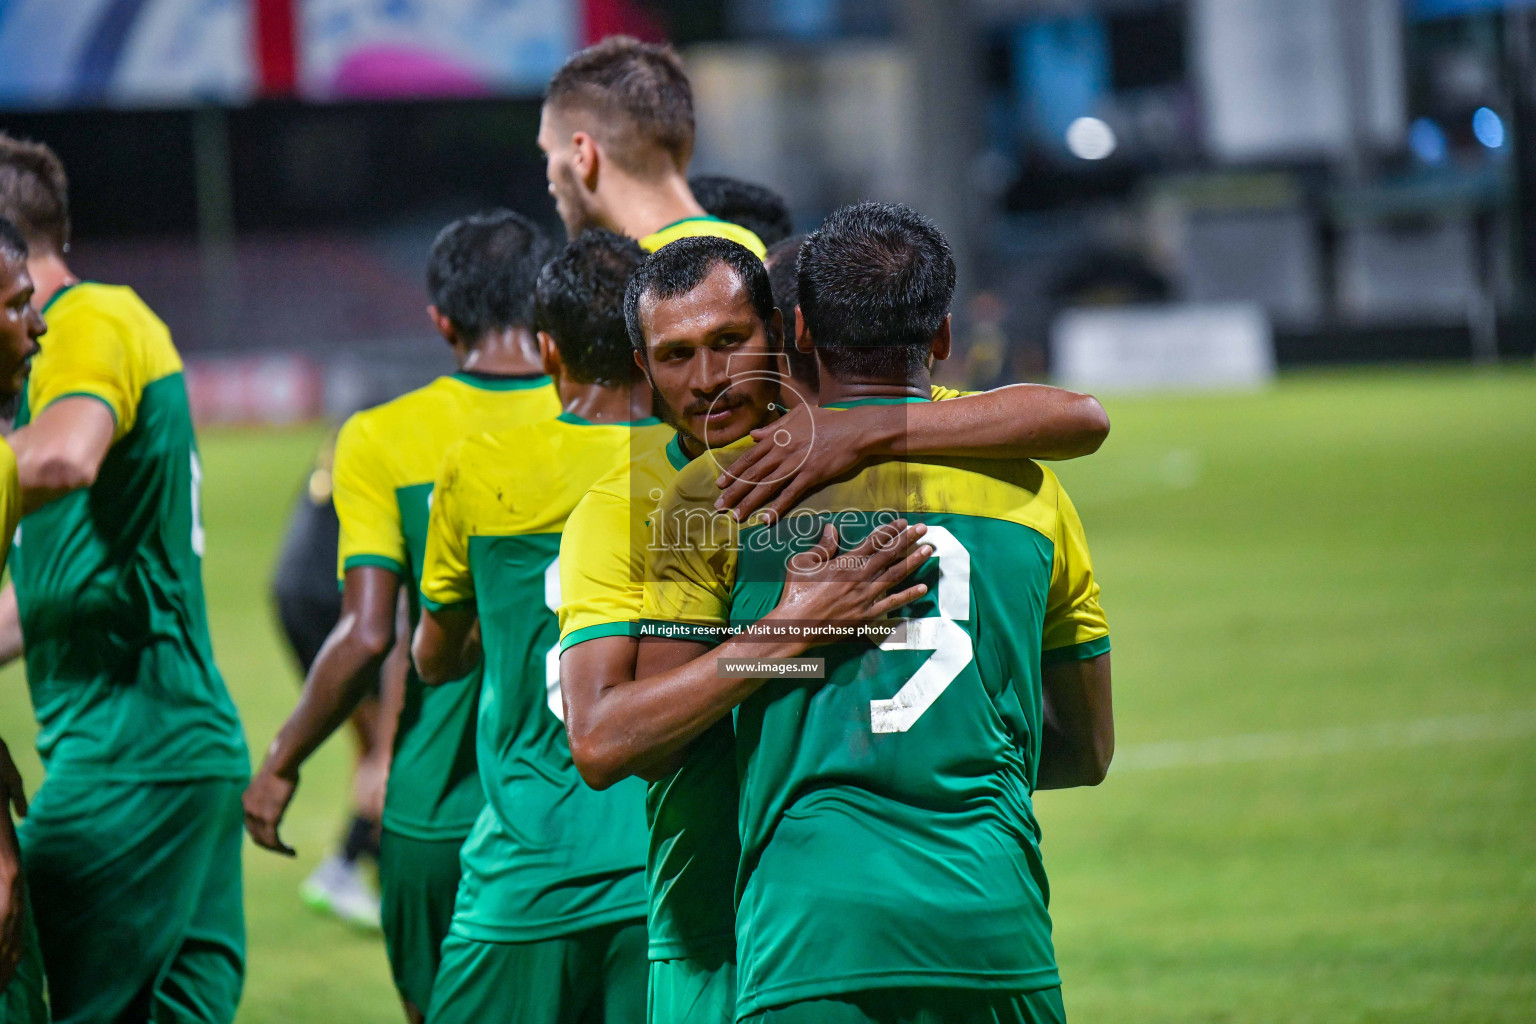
1322 578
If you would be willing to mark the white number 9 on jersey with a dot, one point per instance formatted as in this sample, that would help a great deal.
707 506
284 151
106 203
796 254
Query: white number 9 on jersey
942 634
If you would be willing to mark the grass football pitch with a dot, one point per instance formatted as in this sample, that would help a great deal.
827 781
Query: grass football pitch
1323 604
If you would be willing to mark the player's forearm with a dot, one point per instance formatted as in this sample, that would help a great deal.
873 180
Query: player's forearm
1030 421
639 726
444 648
1078 739
340 678
12 645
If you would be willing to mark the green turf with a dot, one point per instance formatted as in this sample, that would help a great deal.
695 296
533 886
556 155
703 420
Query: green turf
1346 549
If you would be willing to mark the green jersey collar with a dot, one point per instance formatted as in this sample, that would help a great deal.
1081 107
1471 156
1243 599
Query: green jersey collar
675 453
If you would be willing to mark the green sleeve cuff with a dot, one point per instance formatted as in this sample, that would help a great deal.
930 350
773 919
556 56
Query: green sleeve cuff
373 562
430 605
597 632
1075 652
82 394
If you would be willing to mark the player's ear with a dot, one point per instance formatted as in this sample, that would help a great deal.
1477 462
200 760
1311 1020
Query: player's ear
443 324
549 356
644 366
585 158
941 341
803 341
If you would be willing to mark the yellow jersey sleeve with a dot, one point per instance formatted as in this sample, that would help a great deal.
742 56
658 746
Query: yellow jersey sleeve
600 589
85 353
366 506
692 566
10 499
445 575
1075 627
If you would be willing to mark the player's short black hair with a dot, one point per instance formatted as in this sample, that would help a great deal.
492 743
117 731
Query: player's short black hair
34 192
876 282
482 271
757 208
681 266
784 274
13 244
579 302
638 96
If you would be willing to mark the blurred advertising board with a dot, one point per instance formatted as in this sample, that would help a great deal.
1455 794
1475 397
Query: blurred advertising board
255 391
1174 347
169 53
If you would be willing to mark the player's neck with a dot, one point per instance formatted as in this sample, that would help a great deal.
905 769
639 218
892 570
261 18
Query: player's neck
50 275
834 391
509 353
598 403
641 208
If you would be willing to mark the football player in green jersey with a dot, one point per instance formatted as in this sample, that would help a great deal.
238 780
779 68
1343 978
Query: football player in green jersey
480 277
138 736
21 958
997 684
617 134
704 349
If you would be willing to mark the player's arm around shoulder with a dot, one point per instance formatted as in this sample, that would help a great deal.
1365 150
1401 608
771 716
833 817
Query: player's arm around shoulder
447 641
810 445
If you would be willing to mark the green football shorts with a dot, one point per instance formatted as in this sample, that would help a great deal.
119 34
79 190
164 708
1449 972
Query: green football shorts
22 1001
137 895
418 880
693 991
595 976
922 1006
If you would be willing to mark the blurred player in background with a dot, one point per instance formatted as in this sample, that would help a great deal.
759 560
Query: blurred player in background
21 958
755 207
617 134
138 736
308 606
481 277
718 355
550 921
923 833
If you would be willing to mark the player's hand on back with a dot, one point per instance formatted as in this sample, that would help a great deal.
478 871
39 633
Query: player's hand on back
823 587
265 801
12 890
799 451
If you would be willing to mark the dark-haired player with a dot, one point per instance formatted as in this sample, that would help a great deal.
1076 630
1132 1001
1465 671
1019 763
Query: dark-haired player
132 845
21 957
711 364
617 134
550 920
480 276
890 864
755 207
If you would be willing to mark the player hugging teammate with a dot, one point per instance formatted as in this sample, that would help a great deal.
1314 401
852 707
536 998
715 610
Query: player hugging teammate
585 820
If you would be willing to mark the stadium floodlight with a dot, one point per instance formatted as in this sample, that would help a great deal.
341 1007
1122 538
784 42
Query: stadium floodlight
1089 138
1488 127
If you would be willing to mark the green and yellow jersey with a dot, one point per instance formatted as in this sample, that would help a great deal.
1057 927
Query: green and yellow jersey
387 460
548 856
602 584
694 227
109 578
898 793
693 858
